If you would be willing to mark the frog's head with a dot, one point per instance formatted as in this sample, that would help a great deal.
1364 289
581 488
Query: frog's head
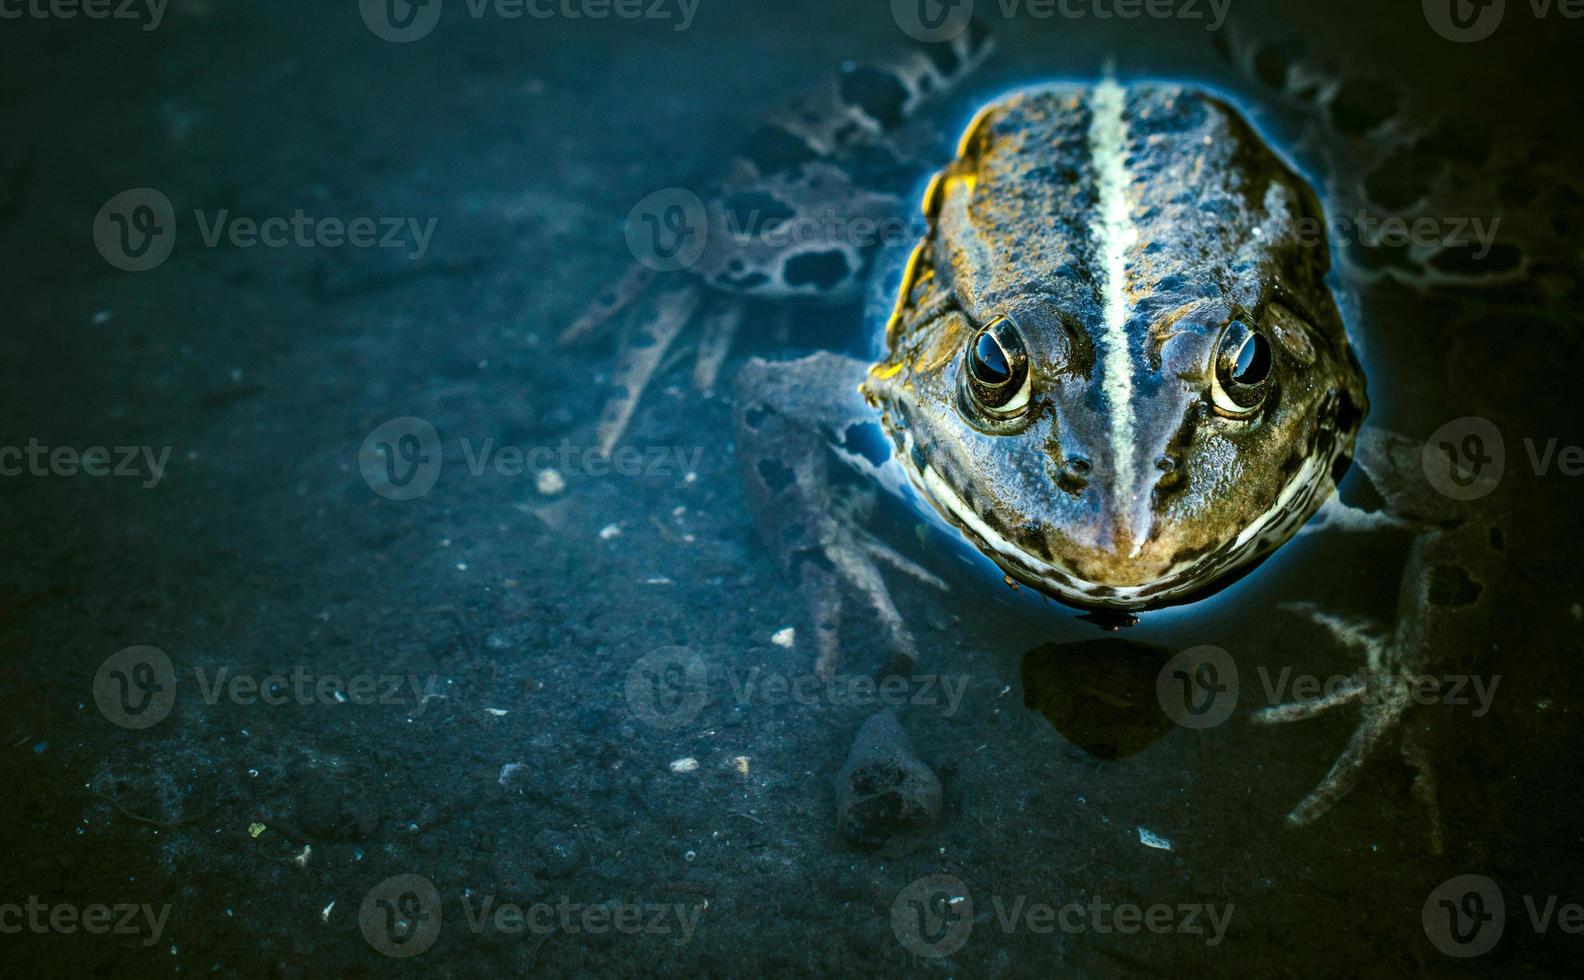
1115 364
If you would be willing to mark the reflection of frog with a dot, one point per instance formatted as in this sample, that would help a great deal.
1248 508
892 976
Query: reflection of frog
1111 360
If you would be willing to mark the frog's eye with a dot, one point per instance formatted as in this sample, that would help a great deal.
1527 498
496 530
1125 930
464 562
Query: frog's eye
1243 368
998 368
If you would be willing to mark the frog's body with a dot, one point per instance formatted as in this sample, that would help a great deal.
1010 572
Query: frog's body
1111 360
1166 240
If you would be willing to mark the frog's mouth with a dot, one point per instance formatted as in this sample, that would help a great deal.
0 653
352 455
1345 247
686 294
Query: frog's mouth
1299 498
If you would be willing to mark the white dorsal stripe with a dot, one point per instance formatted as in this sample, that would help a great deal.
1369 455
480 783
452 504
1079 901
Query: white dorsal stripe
1114 233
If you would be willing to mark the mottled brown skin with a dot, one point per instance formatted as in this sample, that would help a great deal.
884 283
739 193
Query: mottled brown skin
1219 237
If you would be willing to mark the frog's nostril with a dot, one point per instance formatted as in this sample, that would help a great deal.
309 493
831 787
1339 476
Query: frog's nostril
1171 472
1073 473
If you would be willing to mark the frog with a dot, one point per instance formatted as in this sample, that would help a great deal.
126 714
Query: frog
1111 354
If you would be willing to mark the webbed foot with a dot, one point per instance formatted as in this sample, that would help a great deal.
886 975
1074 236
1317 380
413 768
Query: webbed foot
1383 690
650 334
791 418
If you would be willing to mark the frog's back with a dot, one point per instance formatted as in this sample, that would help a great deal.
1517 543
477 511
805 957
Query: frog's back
1198 185
1115 361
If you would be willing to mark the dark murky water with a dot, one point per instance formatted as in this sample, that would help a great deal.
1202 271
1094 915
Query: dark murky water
448 679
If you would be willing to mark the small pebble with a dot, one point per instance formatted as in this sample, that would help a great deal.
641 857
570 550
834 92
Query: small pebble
784 637
609 531
685 764
549 482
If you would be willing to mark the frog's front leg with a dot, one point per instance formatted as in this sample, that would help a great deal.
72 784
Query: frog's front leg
793 217
1445 598
794 418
